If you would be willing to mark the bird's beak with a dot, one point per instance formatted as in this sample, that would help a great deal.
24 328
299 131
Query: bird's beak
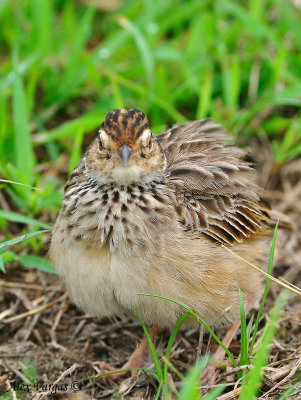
125 153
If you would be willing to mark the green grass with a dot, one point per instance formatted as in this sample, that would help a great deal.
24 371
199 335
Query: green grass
253 380
66 65
246 344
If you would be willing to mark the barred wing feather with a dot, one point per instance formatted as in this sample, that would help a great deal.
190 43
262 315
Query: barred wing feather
214 185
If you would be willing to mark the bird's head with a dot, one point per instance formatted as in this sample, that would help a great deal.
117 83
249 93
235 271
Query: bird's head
125 151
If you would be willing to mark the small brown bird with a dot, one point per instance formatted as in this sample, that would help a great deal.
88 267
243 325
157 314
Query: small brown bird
147 214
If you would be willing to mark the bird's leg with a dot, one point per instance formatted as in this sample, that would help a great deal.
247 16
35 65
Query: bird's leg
136 359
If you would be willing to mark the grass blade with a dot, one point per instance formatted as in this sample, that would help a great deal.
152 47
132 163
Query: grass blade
19 239
244 359
266 289
86 123
145 52
22 143
168 108
173 368
201 321
171 342
22 219
252 383
159 391
286 394
43 27
152 348
190 390
76 150
18 183
249 327
214 393
205 95
37 262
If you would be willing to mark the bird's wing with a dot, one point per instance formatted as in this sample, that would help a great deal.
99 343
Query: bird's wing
215 187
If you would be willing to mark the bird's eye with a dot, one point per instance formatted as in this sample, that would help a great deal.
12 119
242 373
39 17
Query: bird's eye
100 144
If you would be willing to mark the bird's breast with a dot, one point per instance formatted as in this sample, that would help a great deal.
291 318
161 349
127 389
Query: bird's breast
120 216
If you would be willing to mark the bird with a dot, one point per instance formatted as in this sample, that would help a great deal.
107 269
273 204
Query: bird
146 213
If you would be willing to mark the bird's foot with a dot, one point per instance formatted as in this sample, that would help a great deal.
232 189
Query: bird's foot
133 362
136 360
